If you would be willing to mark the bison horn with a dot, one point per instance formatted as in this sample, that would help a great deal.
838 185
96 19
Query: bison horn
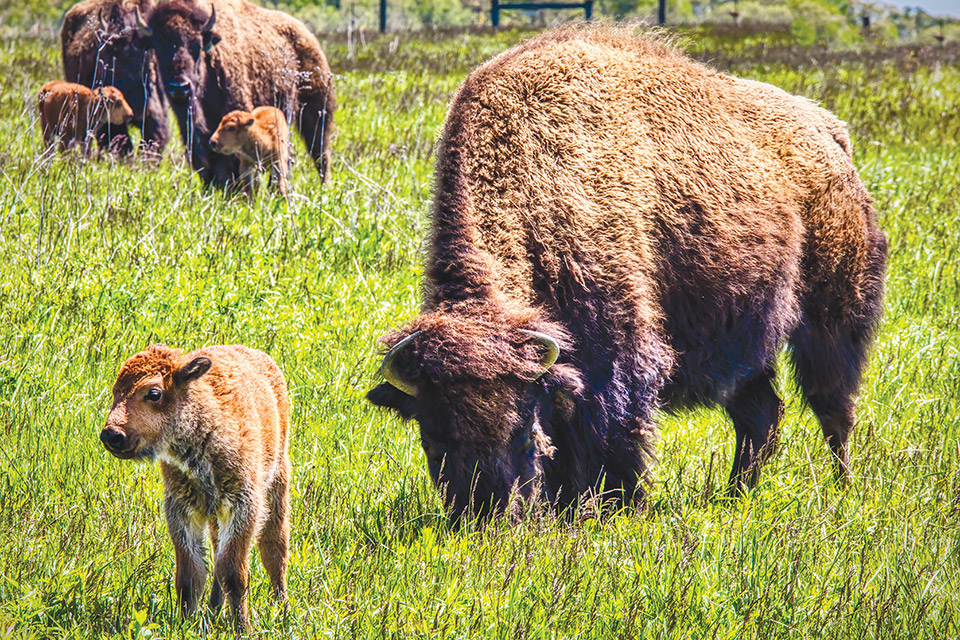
103 23
207 28
553 349
142 26
389 372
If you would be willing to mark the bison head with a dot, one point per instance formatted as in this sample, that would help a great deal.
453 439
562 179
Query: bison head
181 34
146 402
122 56
483 392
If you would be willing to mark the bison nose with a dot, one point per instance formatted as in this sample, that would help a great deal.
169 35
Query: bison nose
115 441
179 90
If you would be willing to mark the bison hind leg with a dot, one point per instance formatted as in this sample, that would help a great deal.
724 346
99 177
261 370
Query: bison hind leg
316 128
829 363
756 410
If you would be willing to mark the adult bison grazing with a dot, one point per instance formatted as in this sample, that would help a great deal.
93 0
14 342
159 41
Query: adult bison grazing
100 47
233 55
617 228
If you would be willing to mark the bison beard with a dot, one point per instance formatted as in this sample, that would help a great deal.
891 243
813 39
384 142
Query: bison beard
238 56
670 228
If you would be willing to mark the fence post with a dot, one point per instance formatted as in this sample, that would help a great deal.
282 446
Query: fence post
588 8
495 13
662 12
383 16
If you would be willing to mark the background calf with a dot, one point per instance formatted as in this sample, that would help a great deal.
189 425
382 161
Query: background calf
258 138
217 419
70 112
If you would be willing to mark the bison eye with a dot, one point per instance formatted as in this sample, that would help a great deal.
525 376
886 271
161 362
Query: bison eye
434 450
154 395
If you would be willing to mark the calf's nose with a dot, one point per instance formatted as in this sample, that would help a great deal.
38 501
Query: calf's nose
113 440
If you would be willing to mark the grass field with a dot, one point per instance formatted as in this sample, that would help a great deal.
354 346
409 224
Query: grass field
100 259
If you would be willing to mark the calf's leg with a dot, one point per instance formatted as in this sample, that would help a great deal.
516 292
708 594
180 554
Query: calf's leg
188 547
231 567
216 593
275 538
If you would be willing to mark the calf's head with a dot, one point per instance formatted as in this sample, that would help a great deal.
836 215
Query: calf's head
483 393
233 132
148 399
181 34
112 105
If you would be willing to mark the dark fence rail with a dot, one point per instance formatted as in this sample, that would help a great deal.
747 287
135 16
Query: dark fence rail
496 7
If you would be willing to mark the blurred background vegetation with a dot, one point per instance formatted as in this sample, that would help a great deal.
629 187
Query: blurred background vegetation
835 23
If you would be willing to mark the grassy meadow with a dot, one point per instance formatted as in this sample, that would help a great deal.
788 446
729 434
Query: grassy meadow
100 259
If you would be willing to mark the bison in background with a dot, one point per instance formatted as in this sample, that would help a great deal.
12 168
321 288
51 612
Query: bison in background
616 229
260 139
233 55
70 113
100 47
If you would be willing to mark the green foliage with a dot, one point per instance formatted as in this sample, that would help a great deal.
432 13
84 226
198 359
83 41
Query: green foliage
99 259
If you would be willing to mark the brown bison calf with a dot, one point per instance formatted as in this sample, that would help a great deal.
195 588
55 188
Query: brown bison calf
217 420
71 112
259 139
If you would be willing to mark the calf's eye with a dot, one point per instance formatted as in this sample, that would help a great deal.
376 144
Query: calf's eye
154 395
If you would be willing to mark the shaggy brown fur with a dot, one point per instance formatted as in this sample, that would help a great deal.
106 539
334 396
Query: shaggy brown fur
71 113
217 419
671 227
260 139
100 47
249 57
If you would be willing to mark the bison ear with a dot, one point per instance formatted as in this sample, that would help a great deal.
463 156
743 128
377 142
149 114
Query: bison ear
387 395
210 38
565 384
192 370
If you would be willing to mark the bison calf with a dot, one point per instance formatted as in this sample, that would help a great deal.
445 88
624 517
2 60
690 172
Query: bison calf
217 420
71 112
259 139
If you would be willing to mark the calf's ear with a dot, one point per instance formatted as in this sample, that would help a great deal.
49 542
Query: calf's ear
387 395
192 370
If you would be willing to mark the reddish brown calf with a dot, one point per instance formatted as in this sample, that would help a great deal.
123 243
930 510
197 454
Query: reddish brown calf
217 420
260 139
71 113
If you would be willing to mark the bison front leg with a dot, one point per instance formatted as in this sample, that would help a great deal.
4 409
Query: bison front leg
231 567
155 132
115 139
188 546
756 410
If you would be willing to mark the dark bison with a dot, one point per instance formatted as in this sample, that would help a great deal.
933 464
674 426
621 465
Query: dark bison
617 228
100 47
233 55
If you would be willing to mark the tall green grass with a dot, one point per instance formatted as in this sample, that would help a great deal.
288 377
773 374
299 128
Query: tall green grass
100 259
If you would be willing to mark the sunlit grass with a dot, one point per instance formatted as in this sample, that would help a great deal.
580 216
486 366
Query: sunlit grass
99 259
